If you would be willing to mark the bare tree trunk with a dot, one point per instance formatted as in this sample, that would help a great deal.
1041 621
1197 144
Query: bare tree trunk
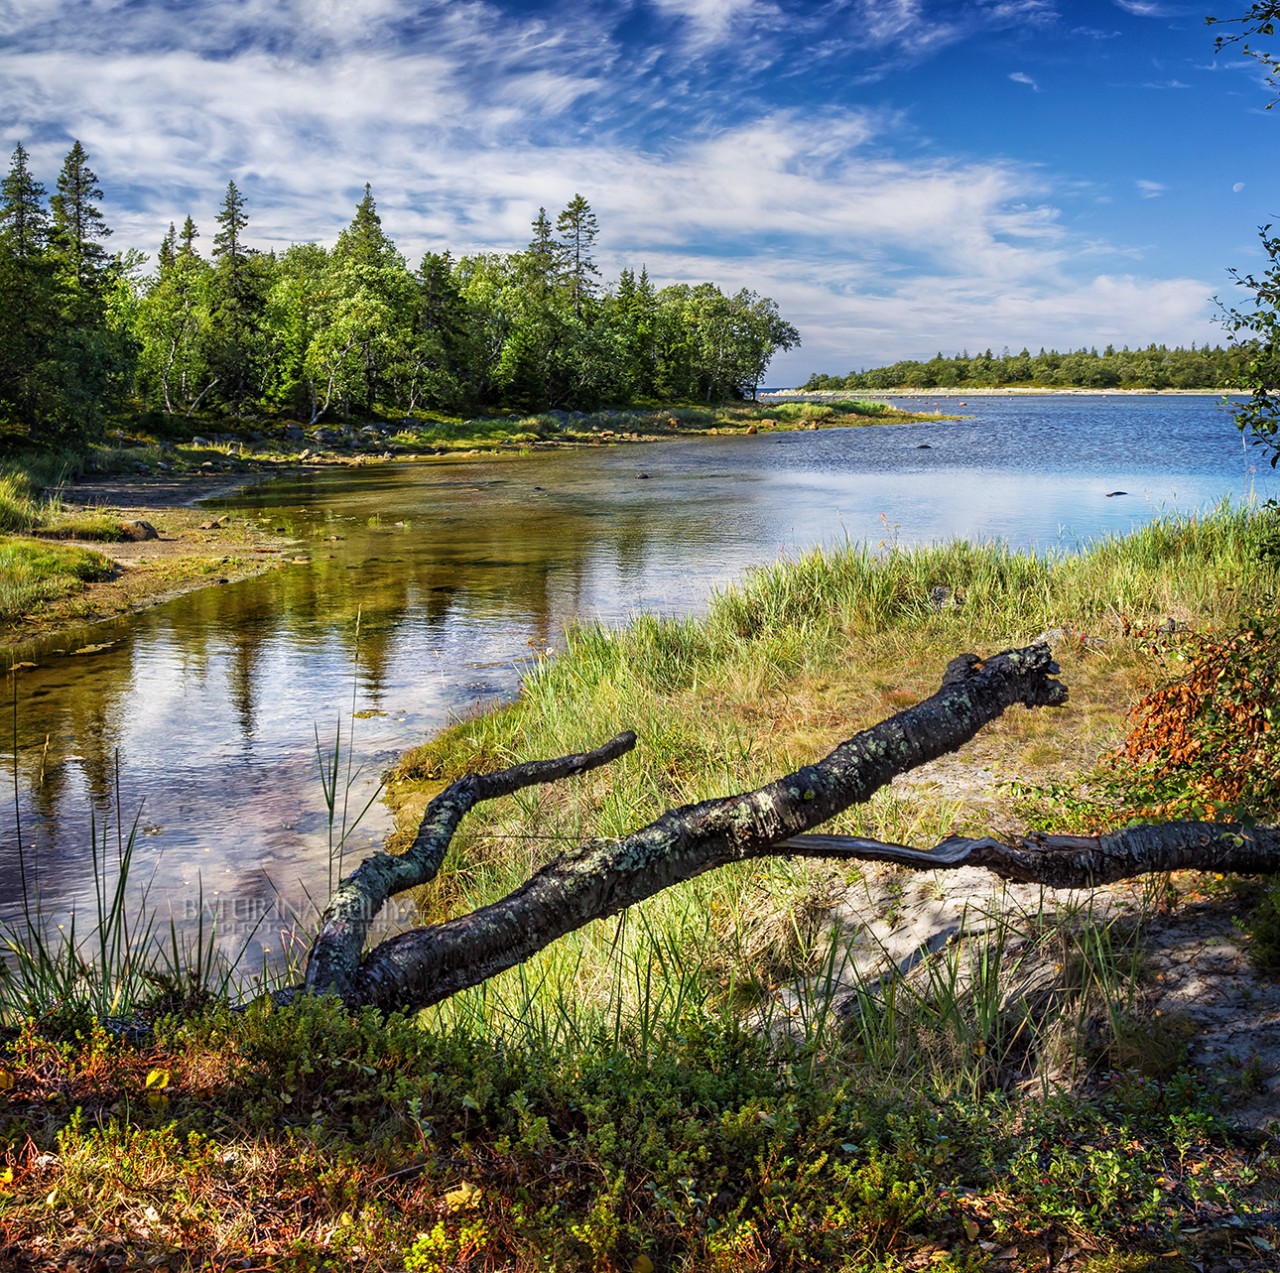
602 877
203 392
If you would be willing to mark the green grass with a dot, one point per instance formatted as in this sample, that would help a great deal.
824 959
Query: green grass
673 1088
510 430
19 502
33 572
783 666
810 412
95 527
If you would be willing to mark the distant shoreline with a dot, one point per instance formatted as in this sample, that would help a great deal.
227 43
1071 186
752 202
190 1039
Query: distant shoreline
781 395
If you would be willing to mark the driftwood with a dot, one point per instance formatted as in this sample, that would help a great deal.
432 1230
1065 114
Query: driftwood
602 877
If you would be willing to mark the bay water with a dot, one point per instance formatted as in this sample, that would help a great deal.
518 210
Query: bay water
422 591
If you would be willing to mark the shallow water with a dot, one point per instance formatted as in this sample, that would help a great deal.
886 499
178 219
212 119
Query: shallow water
427 588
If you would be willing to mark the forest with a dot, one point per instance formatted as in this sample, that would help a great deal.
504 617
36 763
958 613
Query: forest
1155 367
315 332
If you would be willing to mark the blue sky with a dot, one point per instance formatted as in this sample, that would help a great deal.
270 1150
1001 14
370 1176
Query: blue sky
902 177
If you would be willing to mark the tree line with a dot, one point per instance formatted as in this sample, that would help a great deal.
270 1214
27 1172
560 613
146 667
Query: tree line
1155 367
315 332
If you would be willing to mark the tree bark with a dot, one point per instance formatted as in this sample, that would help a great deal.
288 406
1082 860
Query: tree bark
602 877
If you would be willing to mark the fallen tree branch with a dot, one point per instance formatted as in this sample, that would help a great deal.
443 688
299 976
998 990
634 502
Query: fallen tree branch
1073 861
344 926
603 877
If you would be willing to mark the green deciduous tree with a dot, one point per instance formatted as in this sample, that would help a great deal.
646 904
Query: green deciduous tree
1244 32
760 331
1255 326
716 347
173 326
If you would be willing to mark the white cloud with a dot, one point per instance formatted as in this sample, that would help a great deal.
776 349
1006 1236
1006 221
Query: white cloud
846 329
1150 189
902 26
466 119
712 21
1147 8
1021 77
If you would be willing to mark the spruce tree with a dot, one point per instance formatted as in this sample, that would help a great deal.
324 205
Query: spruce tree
28 308
80 260
237 289
543 258
364 242
24 220
368 325
577 228
435 369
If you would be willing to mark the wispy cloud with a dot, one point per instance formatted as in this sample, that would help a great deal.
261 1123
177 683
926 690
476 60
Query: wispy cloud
1152 9
1150 189
907 31
467 115
713 21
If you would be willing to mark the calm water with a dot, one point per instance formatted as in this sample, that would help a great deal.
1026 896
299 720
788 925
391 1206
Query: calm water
428 588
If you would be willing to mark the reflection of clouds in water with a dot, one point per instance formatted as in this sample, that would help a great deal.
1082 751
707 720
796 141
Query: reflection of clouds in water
1025 510
214 701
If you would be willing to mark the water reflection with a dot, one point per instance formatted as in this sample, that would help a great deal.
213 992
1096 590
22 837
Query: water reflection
420 590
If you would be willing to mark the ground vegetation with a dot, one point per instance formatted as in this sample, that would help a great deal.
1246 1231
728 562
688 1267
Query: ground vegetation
738 1073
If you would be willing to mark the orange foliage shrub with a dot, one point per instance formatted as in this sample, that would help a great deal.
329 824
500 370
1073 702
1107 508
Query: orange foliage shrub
1206 744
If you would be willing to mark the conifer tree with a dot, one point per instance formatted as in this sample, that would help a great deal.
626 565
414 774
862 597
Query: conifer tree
29 320
368 318
577 228
364 242
543 258
434 372
24 220
79 258
238 288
